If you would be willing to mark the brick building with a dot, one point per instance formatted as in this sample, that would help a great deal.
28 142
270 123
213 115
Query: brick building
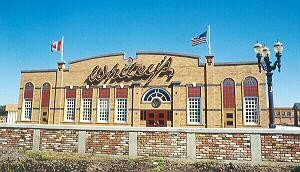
284 115
154 89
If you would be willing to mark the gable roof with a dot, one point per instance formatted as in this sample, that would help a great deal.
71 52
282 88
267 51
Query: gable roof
296 106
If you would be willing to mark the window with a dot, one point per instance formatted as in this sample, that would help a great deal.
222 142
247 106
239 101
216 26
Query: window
194 105
87 110
288 113
160 93
87 94
194 110
229 93
28 109
45 95
122 109
250 87
71 105
121 104
103 108
28 97
251 110
251 106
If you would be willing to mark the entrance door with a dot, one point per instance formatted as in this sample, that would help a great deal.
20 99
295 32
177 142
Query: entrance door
229 120
156 118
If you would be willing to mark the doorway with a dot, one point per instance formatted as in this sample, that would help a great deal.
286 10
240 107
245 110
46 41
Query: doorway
156 118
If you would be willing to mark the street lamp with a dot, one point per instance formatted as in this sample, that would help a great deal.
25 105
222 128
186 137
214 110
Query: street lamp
263 51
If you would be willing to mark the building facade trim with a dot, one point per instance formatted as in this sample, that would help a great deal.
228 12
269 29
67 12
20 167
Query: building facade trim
95 57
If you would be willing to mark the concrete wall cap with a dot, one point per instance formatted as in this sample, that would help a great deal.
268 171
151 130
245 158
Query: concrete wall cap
160 129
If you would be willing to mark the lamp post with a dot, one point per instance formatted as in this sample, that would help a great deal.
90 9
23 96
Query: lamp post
266 65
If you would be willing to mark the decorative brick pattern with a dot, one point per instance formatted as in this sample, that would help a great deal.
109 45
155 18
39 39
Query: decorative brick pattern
280 148
16 138
59 140
162 144
107 142
223 146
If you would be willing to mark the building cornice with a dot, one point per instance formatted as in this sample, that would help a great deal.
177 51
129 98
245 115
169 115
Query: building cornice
168 53
38 70
236 63
95 57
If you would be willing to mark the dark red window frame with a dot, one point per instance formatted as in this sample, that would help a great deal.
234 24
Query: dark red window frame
45 98
104 93
87 92
229 96
250 87
122 93
45 95
194 91
28 93
71 93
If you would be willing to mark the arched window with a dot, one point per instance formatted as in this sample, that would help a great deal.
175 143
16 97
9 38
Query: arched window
28 96
160 93
229 93
250 86
29 85
251 105
46 94
28 93
46 86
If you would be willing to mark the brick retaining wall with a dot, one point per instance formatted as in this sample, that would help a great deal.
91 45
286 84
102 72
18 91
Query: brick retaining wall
280 148
249 145
107 142
220 146
16 138
162 144
59 140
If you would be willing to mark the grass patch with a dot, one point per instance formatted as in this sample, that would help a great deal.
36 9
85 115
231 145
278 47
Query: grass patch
160 164
49 155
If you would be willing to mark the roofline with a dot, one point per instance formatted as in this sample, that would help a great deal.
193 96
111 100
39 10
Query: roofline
38 71
236 63
95 57
283 108
168 53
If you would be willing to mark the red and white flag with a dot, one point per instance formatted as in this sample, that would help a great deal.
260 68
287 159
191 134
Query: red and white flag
57 46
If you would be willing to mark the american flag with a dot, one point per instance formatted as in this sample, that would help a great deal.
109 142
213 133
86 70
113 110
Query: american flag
199 39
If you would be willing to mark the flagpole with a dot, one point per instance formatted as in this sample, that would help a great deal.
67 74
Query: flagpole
62 50
209 48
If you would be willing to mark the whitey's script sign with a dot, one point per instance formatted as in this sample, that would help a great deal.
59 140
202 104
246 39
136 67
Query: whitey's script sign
130 72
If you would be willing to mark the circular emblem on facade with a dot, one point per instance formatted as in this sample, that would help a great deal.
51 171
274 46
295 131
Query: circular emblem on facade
130 60
156 103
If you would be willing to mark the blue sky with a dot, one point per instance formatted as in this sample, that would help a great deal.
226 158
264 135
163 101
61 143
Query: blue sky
28 27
